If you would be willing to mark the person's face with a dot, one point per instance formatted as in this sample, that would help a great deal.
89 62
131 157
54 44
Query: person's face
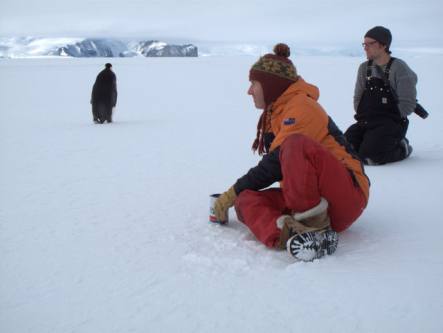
256 91
373 48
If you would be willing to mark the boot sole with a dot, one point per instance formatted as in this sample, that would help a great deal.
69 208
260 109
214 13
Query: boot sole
312 245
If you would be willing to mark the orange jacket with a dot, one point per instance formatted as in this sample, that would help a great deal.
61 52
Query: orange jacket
297 111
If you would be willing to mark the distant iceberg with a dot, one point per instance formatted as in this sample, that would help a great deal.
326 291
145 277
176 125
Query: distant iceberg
26 47
23 47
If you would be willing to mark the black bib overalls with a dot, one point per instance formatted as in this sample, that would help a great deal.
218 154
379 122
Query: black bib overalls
380 128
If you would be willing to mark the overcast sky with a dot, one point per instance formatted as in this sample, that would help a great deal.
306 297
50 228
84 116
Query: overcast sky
411 21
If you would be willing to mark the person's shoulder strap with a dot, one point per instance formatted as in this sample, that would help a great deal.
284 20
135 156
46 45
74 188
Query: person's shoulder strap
369 69
388 68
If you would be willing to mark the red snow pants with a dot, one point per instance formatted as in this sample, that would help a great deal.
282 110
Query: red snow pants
309 172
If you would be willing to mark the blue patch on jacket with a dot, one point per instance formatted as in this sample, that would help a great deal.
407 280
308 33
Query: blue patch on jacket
289 121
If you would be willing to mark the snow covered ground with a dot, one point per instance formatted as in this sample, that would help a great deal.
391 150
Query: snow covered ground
104 228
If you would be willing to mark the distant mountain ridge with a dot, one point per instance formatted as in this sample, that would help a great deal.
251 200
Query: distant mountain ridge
26 47
91 47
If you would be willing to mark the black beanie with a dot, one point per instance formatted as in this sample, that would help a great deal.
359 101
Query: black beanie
381 35
108 65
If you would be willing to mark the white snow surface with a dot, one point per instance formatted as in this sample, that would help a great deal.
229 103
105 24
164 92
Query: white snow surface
104 228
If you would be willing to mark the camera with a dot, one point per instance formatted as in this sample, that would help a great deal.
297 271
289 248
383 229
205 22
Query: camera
420 111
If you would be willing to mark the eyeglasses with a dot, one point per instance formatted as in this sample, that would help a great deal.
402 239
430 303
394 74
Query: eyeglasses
368 44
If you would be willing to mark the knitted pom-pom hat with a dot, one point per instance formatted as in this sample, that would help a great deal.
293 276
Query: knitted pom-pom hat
275 72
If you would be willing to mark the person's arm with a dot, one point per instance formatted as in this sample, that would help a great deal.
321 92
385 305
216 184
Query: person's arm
360 85
263 175
267 172
403 81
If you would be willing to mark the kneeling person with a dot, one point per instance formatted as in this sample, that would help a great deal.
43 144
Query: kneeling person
385 95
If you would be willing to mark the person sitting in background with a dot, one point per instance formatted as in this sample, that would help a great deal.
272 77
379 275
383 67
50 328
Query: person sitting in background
324 188
384 97
104 95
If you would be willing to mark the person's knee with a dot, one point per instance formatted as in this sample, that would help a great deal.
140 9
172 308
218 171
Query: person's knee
354 136
243 194
251 198
379 151
244 200
295 140
298 145
369 150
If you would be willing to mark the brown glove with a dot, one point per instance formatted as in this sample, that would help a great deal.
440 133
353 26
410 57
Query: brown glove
223 203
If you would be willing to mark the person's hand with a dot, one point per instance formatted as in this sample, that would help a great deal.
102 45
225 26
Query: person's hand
223 203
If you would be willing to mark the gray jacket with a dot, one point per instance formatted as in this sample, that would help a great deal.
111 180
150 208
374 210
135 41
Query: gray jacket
401 79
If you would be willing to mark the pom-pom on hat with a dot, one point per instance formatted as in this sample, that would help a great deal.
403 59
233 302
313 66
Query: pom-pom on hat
275 72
